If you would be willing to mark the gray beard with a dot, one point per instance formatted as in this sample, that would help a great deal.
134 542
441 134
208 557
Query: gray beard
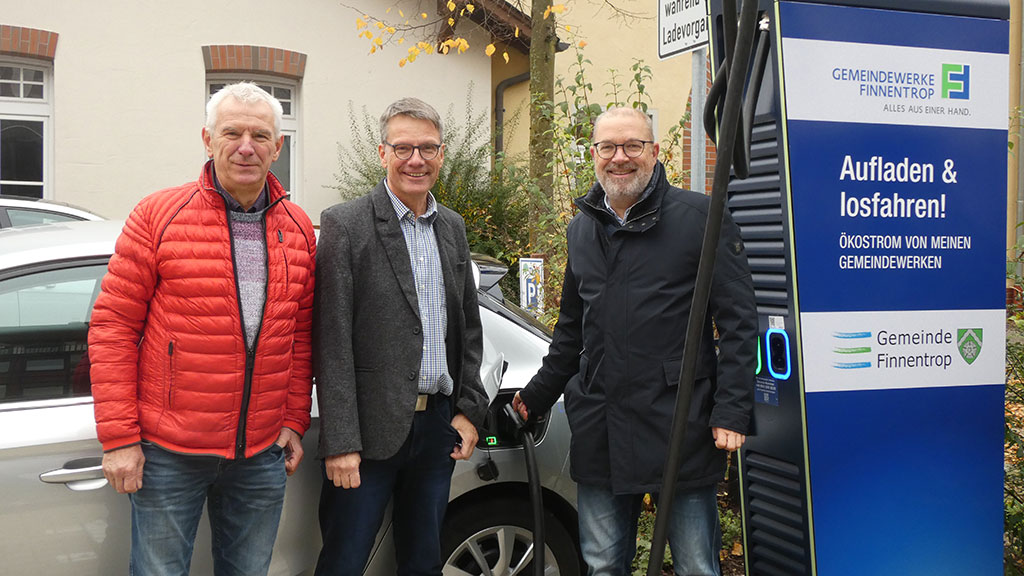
627 192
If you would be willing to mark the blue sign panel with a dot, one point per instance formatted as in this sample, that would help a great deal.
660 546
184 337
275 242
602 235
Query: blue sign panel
896 127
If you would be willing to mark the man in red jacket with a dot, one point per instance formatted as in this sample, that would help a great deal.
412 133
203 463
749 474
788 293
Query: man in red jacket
200 349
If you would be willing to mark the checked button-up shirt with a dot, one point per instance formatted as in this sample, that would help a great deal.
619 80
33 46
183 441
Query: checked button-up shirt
426 270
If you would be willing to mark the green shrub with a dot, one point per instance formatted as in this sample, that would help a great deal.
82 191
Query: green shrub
1013 494
1013 464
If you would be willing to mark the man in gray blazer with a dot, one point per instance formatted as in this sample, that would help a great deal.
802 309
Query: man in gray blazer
397 340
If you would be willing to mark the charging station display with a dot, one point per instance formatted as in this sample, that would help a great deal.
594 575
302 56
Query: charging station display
896 131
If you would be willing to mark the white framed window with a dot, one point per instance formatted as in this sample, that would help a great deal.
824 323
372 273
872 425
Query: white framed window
26 138
286 168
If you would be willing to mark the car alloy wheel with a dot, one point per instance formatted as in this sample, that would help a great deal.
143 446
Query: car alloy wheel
494 538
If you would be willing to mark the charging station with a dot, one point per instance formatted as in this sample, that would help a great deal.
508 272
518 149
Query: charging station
874 221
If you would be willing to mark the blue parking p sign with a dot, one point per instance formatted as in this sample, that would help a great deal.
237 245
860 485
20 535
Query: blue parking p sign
531 284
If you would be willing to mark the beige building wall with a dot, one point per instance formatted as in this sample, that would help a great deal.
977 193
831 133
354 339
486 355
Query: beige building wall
614 42
129 87
516 116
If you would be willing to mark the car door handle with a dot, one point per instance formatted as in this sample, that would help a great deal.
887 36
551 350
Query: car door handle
78 474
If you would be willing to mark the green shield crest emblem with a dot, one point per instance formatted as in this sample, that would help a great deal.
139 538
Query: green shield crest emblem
968 342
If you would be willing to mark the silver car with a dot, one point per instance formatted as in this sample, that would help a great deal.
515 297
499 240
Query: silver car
23 211
58 516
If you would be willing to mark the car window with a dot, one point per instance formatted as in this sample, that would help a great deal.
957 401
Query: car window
515 314
43 332
29 217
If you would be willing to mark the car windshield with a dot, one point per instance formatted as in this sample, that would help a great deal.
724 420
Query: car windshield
515 314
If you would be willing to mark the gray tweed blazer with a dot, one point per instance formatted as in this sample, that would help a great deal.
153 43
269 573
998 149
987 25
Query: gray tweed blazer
367 333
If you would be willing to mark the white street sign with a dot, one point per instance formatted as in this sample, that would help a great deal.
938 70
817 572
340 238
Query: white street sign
682 26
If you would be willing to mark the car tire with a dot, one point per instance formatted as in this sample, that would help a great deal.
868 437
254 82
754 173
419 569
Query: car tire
481 534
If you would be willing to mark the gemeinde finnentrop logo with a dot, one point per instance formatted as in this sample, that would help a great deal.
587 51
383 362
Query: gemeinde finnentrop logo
968 341
898 349
852 350
956 81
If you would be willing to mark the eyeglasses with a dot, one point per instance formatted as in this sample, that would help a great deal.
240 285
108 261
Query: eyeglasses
404 151
632 148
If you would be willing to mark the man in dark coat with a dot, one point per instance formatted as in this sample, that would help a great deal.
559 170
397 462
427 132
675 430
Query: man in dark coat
398 341
617 352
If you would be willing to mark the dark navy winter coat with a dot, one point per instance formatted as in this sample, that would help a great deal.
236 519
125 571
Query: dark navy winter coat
618 345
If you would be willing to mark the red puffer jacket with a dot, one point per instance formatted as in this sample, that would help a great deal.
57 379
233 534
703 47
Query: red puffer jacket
169 361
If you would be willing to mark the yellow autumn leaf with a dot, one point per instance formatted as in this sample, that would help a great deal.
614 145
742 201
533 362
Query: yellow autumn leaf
412 58
558 8
582 44
422 45
373 49
401 63
470 7
451 21
444 49
430 49
388 11
490 49
423 15
360 24
378 41
391 29
547 12
401 40
505 56
401 14
414 50
517 31
379 25
451 6
568 28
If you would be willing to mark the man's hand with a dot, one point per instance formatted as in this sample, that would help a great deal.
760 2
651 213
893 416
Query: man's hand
291 442
520 407
343 469
467 431
123 468
727 439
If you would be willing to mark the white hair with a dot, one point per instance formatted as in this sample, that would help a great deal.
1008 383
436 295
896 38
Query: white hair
246 93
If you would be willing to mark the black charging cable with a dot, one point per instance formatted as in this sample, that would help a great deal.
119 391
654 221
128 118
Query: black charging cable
737 57
536 495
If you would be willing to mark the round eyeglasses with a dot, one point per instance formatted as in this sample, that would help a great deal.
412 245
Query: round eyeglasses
404 151
631 148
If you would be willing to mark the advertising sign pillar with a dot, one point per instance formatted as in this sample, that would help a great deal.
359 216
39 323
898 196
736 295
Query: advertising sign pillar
879 401
898 123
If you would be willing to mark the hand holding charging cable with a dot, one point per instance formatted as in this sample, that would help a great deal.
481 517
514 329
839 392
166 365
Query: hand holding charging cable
520 407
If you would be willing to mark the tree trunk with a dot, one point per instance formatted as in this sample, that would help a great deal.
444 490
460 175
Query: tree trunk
542 86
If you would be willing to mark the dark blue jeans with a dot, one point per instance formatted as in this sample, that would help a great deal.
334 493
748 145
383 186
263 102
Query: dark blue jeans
417 477
243 498
608 531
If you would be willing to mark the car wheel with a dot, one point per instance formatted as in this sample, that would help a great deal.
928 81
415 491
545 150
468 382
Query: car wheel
496 537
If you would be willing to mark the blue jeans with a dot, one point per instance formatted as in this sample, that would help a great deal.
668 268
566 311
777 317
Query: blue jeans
418 477
608 531
243 498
